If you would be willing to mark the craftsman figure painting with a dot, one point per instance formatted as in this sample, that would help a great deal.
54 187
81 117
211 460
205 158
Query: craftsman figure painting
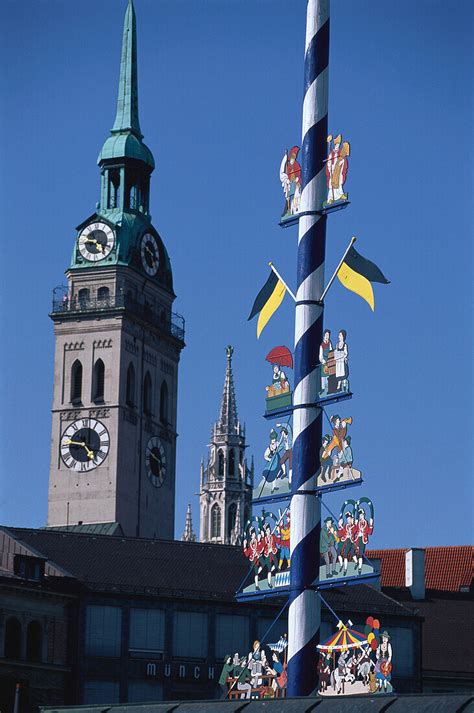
279 391
290 177
336 455
336 169
278 457
259 674
334 365
342 548
352 662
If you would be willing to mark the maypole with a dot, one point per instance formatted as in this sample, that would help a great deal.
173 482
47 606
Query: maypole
304 616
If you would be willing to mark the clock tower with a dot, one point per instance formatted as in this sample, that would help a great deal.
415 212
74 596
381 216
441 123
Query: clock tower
113 444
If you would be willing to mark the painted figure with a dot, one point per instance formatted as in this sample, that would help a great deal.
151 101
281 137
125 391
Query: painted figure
325 460
361 535
268 559
279 384
339 432
344 460
327 546
336 169
242 675
324 670
383 666
341 356
290 177
324 352
256 663
253 550
347 533
283 540
286 443
273 471
226 673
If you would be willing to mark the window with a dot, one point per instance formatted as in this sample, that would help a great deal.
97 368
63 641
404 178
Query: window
130 389
133 197
34 641
147 394
103 629
28 567
12 639
147 630
232 635
98 380
278 628
220 464
76 382
401 639
231 462
190 635
164 403
103 294
215 521
231 519
83 297
145 691
101 692
114 189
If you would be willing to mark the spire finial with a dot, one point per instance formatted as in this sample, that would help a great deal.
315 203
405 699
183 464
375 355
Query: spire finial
127 101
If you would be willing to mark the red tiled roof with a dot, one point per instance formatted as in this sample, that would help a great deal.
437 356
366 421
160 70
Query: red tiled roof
446 568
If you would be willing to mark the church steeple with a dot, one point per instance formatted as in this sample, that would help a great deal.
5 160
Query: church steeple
127 101
188 534
228 422
226 481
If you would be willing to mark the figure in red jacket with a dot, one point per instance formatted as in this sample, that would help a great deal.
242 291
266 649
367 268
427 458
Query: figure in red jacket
253 549
361 535
346 533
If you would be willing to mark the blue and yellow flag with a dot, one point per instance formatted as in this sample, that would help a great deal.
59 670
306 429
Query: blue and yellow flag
267 301
357 273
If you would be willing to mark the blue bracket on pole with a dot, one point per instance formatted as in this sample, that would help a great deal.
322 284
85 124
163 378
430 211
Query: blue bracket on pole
318 403
332 208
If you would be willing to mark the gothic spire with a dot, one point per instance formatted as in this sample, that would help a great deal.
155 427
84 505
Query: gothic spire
127 101
188 534
228 422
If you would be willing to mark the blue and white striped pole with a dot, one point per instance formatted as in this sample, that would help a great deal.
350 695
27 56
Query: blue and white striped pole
304 615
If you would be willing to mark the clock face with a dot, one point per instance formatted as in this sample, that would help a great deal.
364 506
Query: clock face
150 254
155 461
84 445
96 241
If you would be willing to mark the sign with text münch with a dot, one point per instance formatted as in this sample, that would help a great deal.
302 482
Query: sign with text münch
183 670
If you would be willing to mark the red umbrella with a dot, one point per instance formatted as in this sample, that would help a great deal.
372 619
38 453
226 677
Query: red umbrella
281 356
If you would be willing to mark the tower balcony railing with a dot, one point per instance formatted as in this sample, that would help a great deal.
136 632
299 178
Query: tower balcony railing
169 323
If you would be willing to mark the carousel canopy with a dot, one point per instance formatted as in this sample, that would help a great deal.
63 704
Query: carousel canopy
344 638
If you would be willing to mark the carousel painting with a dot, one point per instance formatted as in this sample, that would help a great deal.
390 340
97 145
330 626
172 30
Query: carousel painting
259 674
266 545
351 662
343 543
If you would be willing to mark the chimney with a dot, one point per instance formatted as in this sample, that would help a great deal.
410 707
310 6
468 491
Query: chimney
415 573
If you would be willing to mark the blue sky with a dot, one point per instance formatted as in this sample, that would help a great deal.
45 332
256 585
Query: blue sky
220 92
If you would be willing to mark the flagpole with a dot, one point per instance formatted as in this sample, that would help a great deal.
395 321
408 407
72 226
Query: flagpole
353 239
282 280
304 615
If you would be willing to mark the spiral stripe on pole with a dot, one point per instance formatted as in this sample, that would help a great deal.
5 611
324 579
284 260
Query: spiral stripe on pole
305 610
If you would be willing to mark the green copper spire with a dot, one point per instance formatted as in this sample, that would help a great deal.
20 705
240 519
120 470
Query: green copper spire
126 139
127 102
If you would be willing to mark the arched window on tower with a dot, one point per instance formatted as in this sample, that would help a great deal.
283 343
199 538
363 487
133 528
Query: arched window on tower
103 295
83 297
164 403
231 462
12 638
215 522
220 464
130 387
134 198
147 395
114 189
34 641
231 519
98 381
76 382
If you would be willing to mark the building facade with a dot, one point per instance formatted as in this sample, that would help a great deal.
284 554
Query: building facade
226 481
153 620
113 444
